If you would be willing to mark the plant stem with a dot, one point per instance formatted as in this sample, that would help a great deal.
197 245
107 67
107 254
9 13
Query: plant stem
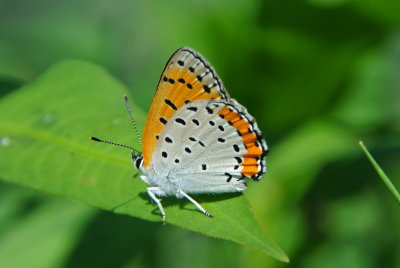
381 173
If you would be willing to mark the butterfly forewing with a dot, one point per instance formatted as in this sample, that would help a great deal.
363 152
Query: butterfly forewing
186 78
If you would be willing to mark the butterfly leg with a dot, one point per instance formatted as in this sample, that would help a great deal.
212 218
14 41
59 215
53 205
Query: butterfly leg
180 192
152 192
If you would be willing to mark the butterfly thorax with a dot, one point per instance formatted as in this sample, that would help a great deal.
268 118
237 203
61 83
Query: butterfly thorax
153 176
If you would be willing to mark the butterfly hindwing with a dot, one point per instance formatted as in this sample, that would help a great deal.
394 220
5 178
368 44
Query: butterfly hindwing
186 78
209 146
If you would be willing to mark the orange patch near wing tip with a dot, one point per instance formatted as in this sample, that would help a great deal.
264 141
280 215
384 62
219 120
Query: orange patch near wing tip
249 171
232 117
224 111
250 162
254 150
249 137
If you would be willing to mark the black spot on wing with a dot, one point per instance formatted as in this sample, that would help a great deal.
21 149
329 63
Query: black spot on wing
170 104
229 177
180 121
196 122
193 109
236 148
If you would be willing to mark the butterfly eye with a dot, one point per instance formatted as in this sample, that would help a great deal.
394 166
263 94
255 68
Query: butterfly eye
138 161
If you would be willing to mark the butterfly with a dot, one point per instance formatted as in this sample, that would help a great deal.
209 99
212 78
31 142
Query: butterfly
196 139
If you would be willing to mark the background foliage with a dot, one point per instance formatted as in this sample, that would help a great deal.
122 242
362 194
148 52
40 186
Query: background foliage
318 75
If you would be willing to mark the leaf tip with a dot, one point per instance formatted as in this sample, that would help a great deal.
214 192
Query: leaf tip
285 259
281 256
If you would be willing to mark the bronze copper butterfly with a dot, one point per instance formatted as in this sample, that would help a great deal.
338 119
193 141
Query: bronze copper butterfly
197 139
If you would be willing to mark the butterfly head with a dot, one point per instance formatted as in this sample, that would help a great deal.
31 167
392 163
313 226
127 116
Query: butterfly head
137 160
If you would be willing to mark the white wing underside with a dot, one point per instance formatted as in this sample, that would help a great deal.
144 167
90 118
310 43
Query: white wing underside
195 152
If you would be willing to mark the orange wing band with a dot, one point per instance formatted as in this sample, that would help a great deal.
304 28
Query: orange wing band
251 158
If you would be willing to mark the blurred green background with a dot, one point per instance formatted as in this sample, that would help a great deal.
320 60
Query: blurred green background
318 75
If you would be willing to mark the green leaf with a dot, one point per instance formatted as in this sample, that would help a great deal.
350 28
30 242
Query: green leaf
43 145
44 237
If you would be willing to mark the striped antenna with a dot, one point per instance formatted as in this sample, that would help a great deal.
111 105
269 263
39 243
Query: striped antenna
128 108
113 143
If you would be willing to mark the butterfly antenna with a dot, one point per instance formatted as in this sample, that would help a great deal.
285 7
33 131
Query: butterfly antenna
128 108
113 143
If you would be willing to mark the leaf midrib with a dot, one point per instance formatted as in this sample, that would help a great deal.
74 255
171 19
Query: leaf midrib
60 141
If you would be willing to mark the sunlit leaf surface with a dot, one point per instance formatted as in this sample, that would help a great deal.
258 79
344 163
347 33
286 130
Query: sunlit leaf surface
44 129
